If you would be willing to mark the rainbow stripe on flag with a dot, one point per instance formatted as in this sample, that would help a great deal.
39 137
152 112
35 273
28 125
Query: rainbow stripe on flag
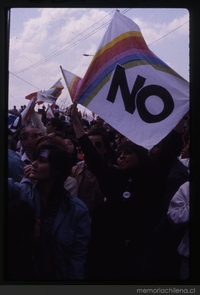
129 87
72 81
56 89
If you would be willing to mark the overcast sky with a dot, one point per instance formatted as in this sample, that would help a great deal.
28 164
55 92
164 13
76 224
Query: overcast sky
43 39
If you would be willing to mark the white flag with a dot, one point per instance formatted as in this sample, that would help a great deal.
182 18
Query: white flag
131 88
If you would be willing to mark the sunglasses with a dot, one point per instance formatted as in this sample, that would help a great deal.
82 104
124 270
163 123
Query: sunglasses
98 144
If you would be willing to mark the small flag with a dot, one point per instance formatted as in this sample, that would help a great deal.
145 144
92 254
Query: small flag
49 96
72 81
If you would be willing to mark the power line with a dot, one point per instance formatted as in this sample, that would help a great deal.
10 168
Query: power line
24 80
23 56
168 33
14 98
80 40
58 52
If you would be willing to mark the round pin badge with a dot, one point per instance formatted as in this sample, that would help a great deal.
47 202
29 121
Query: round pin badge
126 195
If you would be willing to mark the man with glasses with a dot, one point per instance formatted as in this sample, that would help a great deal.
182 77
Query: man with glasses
99 139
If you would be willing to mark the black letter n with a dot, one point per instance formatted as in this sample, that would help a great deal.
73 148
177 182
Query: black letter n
119 80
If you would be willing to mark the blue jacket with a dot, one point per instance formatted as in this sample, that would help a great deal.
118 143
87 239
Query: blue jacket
71 230
15 166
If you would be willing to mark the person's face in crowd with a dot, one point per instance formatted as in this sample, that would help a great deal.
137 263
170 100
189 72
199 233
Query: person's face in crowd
106 126
69 144
32 135
40 169
155 152
117 139
99 120
127 160
50 128
97 141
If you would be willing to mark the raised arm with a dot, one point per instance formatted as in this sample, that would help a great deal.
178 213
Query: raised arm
78 127
94 161
36 120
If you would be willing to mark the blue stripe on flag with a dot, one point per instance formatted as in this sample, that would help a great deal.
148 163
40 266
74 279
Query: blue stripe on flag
150 60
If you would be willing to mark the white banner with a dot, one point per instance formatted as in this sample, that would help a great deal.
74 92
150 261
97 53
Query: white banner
131 88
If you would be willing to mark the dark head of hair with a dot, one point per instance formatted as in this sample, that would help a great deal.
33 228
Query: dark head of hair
73 139
62 118
56 122
141 152
59 159
85 123
24 132
69 130
12 144
159 149
111 134
74 155
60 162
56 134
101 131
55 140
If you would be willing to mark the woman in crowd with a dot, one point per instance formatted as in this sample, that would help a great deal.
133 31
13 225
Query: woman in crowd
119 138
64 220
72 148
120 247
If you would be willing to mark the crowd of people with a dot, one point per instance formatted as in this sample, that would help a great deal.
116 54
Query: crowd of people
86 203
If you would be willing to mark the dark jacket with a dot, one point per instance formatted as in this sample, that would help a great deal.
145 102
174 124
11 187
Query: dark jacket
71 230
120 245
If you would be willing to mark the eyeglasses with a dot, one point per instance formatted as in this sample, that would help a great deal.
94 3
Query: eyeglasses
48 124
98 144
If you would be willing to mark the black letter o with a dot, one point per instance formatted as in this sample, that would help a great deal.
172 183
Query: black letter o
159 91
